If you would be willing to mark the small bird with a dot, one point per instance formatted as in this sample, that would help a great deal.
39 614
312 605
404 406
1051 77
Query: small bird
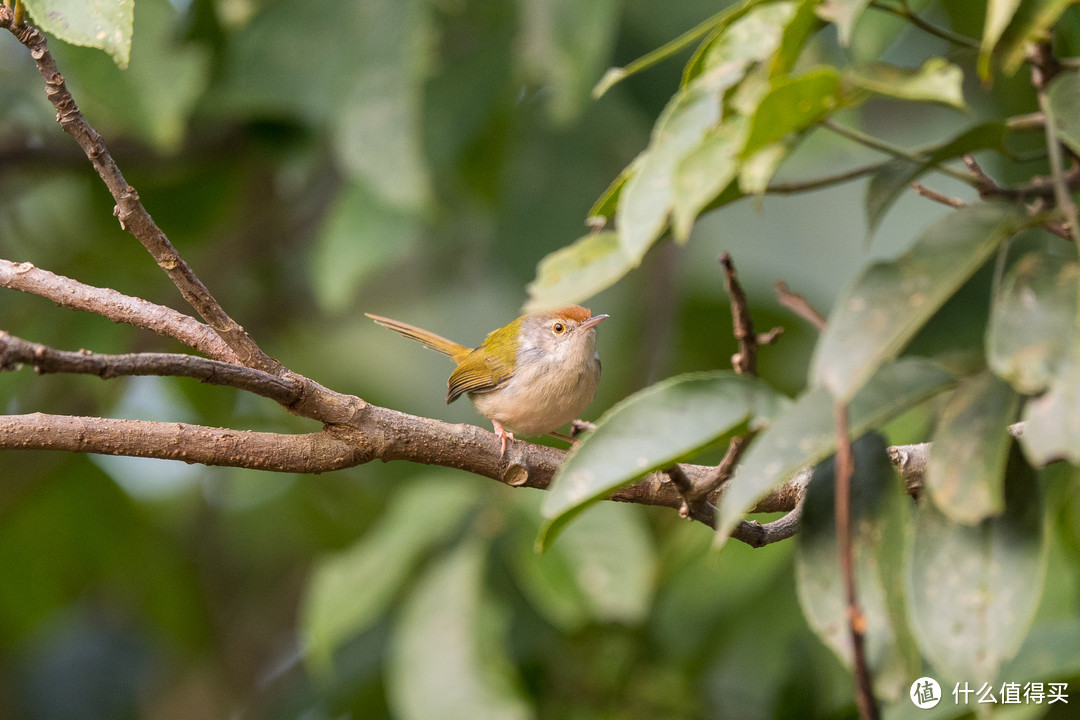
529 377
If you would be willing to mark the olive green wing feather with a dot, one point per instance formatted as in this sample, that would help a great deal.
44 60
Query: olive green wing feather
477 373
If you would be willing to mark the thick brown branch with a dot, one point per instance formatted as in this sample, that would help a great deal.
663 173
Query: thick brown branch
115 306
15 351
129 210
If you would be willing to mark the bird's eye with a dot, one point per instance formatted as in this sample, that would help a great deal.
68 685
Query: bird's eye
558 328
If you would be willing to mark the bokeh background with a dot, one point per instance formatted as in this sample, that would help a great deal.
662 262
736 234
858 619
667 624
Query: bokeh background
416 159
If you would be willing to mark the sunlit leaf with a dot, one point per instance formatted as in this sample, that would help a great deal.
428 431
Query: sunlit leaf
1033 20
348 591
936 81
605 205
804 434
966 472
888 303
602 569
667 422
1033 321
103 24
447 658
844 14
717 33
705 172
803 24
972 591
879 518
998 15
896 176
760 168
792 104
1064 95
578 271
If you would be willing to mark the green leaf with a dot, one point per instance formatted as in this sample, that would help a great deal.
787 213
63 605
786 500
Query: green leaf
938 80
602 569
1064 95
804 434
103 24
896 176
888 303
844 14
652 429
972 591
999 14
760 168
1033 21
792 104
606 204
966 471
564 45
879 518
578 271
360 237
705 172
717 34
1033 321
447 660
804 23
1052 430
350 590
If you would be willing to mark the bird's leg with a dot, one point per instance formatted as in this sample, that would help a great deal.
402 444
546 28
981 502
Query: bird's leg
502 433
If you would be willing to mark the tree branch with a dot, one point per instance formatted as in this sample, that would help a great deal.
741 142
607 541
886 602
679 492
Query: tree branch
129 210
115 306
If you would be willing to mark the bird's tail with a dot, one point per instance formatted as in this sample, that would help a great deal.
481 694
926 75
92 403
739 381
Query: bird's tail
436 342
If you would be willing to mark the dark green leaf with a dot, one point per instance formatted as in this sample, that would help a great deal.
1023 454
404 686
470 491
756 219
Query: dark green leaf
667 422
936 81
107 26
802 26
804 434
1033 321
966 471
348 591
891 300
879 518
792 104
447 659
972 591
1064 96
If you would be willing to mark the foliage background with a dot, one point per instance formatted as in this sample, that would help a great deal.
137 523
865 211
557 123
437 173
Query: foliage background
414 159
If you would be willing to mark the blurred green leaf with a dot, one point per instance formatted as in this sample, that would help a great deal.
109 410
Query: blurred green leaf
804 23
670 421
890 300
760 168
966 471
1032 22
154 97
896 176
844 14
578 271
565 44
602 569
349 590
103 24
938 80
447 659
360 238
1033 321
879 518
999 14
1064 95
792 104
972 591
705 171
804 434
1052 430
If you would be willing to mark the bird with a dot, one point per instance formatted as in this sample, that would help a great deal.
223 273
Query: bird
529 377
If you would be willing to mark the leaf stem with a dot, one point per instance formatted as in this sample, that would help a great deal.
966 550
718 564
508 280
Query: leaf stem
898 152
903 11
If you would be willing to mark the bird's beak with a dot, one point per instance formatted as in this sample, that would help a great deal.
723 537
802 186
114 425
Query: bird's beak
593 322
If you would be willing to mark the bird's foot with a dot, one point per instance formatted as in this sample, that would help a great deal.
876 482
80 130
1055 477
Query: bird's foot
502 434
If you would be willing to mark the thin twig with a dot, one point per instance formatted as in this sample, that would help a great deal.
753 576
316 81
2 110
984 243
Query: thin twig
799 305
934 195
845 468
1043 69
905 12
129 210
789 188
888 148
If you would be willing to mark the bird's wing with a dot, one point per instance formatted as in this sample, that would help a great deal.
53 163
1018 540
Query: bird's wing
477 373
